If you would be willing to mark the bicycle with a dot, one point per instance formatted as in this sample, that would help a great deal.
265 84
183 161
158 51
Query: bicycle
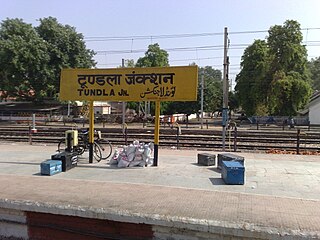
102 149
105 146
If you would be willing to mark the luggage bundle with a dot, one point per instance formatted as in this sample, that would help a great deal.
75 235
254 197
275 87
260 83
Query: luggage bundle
136 154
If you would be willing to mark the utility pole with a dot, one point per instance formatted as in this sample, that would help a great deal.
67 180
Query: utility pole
149 108
202 86
225 89
123 110
145 108
68 108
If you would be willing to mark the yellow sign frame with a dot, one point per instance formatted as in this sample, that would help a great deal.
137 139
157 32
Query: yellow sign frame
130 84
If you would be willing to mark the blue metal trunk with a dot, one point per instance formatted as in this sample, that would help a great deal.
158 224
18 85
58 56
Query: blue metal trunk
229 157
50 167
233 172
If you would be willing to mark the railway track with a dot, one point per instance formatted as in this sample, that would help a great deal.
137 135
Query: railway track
246 139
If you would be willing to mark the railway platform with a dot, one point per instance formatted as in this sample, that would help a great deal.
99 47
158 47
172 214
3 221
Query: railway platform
176 200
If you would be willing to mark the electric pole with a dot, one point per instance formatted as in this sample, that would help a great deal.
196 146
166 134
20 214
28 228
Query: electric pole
202 86
225 89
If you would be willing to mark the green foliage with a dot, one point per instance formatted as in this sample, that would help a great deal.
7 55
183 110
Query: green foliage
31 58
314 67
261 110
289 93
285 48
251 88
182 107
154 57
274 78
233 101
23 59
212 88
133 105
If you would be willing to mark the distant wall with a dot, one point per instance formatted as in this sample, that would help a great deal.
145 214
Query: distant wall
314 114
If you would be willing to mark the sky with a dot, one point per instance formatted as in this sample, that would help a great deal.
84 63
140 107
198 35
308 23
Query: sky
190 30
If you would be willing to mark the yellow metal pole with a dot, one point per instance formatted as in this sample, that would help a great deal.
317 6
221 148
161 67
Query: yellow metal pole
91 131
156 133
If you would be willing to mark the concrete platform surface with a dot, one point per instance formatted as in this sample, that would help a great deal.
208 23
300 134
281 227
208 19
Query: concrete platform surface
281 195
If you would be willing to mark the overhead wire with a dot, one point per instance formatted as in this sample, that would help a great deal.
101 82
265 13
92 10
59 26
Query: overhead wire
186 49
183 35
310 43
197 48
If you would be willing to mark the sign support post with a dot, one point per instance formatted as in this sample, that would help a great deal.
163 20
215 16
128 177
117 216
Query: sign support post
156 133
91 131
123 110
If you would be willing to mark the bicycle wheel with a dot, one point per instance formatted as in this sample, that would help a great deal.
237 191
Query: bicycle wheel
97 152
62 145
106 148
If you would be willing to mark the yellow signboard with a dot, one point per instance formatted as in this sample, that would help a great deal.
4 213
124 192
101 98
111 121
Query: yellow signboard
130 84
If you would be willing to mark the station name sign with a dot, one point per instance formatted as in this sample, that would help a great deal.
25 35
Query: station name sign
130 84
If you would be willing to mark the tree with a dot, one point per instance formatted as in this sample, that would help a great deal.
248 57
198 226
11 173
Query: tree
289 93
288 68
154 57
32 58
23 60
251 88
285 48
233 101
212 88
314 67
274 74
